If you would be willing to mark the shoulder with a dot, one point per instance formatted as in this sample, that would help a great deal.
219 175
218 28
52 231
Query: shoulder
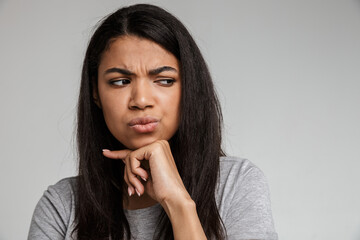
237 170
239 176
64 187
61 194
55 211
231 163
243 200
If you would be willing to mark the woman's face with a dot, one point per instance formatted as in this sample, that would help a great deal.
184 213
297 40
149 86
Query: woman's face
139 91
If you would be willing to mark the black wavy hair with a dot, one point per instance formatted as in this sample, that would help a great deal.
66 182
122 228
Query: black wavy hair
196 146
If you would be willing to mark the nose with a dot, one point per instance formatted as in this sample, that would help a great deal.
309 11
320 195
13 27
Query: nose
141 96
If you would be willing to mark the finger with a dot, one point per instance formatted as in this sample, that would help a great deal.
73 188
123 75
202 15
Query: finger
116 154
158 148
132 178
131 189
137 169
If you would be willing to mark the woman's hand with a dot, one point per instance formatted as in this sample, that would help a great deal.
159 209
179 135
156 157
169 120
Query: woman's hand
152 169
155 165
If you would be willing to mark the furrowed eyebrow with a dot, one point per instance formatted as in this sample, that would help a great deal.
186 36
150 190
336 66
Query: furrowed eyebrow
151 72
162 69
119 70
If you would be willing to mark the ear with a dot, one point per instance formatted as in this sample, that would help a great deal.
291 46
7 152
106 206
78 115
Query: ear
95 95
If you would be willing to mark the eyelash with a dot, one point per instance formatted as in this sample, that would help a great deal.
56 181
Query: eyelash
115 82
169 82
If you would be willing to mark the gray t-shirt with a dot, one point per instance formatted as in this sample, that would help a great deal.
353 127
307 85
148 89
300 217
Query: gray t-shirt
242 198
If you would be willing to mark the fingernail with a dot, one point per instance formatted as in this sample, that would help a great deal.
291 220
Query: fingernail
137 192
106 150
130 192
143 179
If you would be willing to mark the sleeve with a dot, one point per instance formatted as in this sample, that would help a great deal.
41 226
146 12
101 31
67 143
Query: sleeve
249 214
49 219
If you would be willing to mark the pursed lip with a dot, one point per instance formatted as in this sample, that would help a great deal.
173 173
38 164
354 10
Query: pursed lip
144 124
142 121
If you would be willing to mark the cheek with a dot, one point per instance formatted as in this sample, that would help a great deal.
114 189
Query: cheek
173 105
115 123
113 109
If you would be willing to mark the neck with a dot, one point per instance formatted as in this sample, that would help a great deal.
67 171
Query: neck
135 202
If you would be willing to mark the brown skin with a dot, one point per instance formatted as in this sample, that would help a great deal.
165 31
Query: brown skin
141 94
148 84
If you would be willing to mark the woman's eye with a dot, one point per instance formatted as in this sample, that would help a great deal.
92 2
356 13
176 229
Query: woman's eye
166 82
120 82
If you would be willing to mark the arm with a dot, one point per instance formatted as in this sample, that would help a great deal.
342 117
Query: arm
163 184
184 219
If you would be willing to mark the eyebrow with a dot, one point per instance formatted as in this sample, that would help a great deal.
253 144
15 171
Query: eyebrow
119 70
151 72
162 69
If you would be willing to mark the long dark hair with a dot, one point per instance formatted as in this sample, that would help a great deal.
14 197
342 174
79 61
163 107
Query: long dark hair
196 146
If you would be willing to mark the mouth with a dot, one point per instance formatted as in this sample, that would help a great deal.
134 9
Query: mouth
144 124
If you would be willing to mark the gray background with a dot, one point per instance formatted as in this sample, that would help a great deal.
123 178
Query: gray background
287 73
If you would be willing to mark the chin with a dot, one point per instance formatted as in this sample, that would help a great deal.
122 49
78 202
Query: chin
139 142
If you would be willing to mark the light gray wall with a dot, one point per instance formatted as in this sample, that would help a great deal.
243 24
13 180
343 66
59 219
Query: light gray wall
287 73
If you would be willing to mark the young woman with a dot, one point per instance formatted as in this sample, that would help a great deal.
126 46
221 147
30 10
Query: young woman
149 141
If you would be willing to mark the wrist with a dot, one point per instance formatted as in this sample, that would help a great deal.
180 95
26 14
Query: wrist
184 219
179 207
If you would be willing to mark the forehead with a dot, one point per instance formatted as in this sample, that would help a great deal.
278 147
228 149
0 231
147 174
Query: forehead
133 52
